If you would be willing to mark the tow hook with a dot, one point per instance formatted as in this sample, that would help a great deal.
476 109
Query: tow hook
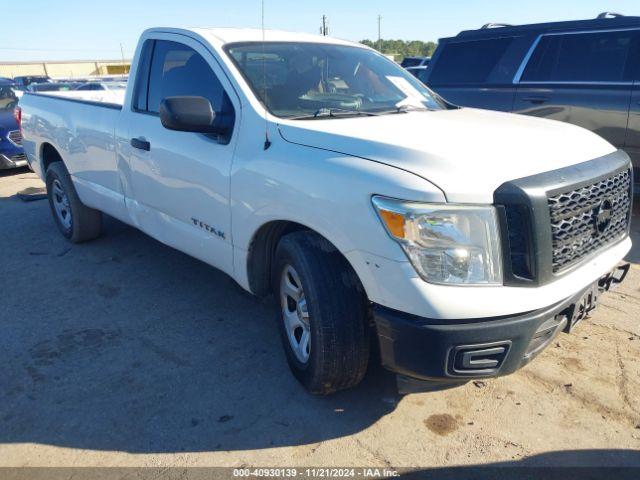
614 278
583 307
589 299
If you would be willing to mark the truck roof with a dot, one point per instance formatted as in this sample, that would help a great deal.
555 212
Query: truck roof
221 36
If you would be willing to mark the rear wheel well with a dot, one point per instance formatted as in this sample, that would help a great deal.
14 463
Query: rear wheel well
49 155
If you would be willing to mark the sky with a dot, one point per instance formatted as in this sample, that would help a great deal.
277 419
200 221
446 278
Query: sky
85 29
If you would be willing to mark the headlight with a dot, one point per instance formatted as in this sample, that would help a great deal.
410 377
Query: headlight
448 244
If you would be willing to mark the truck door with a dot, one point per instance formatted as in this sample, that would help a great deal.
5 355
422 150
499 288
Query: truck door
180 180
580 78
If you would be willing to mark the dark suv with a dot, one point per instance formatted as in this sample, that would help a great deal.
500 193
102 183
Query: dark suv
585 72
11 153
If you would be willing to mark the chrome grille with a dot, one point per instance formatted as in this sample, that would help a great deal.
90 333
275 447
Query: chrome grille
15 136
577 228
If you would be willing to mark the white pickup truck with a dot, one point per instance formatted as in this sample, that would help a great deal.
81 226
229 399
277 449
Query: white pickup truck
456 242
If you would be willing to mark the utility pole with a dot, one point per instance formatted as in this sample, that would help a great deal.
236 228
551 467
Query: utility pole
324 29
379 33
124 63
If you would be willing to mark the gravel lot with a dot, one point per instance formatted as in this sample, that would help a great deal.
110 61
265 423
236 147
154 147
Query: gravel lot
124 352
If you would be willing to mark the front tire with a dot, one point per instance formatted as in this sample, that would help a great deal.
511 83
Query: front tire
323 319
76 221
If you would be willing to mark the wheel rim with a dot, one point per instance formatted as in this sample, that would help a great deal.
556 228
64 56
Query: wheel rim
61 205
295 313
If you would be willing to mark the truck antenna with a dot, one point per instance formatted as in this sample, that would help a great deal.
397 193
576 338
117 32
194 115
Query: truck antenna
267 142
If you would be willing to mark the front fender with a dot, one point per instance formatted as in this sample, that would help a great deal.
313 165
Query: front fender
326 192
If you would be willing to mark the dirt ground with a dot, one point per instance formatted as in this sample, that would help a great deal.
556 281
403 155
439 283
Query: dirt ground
124 352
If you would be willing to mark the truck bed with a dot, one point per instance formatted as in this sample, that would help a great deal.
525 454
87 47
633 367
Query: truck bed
82 127
102 98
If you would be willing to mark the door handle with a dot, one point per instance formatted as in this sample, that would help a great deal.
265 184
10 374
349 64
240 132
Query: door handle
140 144
535 100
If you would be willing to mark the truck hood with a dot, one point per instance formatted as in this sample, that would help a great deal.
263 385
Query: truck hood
467 153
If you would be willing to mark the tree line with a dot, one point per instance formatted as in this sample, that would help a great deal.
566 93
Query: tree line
402 48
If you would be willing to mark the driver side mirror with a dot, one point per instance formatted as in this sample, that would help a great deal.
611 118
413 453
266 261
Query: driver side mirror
188 114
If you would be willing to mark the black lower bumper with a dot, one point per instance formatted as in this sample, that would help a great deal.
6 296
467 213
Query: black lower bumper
455 351
15 161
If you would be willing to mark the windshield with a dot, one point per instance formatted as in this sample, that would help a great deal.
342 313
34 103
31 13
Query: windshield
303 79
50 87
115 85
411 62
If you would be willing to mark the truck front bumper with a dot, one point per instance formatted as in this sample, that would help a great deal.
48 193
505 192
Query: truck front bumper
450 352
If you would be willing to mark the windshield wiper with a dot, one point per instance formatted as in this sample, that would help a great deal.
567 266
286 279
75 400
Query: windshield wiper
334 113
345 112
406 109
413 108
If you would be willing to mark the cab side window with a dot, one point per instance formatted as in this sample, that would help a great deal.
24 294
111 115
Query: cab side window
178 70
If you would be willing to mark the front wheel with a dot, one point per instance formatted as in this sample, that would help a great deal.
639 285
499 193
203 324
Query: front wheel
323 319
